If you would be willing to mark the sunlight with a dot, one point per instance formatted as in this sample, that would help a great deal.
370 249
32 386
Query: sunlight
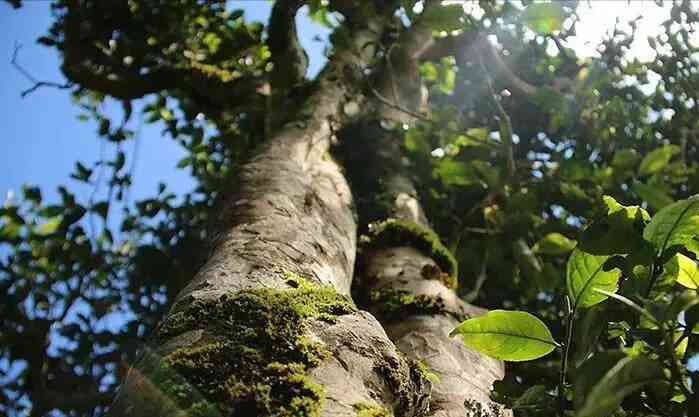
597 18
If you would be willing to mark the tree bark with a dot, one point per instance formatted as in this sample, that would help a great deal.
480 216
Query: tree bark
268 326
408 283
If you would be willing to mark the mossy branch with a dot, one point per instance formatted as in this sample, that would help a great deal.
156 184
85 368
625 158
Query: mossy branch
396 232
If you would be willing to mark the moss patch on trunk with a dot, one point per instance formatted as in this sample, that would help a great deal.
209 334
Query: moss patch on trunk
396 232
371 410
253 357
394 305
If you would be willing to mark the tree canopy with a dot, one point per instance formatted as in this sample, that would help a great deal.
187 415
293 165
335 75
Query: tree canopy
560 186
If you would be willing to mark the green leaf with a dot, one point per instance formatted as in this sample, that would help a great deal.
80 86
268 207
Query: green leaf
507 335
684 270
675 224
453 172
657 159
590 372
81 173
589 329
535 398
631 213
32 194
585 272
617 233
49 227
626 376
184 162
9 229
554 244
625 159
443 18
654 196
544 18
166 114
101 208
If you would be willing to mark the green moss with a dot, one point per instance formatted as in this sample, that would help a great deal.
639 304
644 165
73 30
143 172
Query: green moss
396 304
408 384
253 358
370 410
395 232
425 371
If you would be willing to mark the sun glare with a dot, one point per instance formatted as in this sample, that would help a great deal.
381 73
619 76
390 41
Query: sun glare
598 17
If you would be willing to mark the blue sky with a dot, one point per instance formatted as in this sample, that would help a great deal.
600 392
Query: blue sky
41 135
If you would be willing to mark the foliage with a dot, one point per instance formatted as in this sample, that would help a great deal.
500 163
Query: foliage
85 280
650 362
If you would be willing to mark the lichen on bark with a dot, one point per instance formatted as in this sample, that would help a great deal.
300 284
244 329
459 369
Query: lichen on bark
252 356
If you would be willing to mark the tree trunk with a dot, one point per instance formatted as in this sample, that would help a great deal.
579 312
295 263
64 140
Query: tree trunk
268 326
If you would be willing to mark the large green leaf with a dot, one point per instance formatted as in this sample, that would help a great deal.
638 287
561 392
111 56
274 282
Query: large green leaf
684 270
585 272
657 159
627 375
675 224
507 335
544 18
554 244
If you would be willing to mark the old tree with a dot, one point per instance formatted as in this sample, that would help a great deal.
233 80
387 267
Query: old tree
447 156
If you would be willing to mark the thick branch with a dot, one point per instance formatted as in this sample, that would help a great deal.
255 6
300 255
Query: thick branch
288 56
405 283
468 44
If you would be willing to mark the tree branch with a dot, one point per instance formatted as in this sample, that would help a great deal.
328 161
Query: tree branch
37 84
288 56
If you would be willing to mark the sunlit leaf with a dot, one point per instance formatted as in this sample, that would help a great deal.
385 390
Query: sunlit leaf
507 335
49 227
657 159
684 270
554 244
544 18
9 229
675 224
585 272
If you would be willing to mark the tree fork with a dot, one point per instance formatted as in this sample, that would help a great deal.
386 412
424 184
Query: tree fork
289 232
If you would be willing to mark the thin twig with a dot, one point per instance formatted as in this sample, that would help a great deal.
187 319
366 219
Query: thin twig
396 106
505 120
570 320
37 84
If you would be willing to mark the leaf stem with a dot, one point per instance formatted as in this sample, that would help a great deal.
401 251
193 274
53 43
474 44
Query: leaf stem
674 368
570 320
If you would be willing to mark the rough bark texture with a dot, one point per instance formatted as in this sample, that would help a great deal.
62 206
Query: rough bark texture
267 326
406 284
